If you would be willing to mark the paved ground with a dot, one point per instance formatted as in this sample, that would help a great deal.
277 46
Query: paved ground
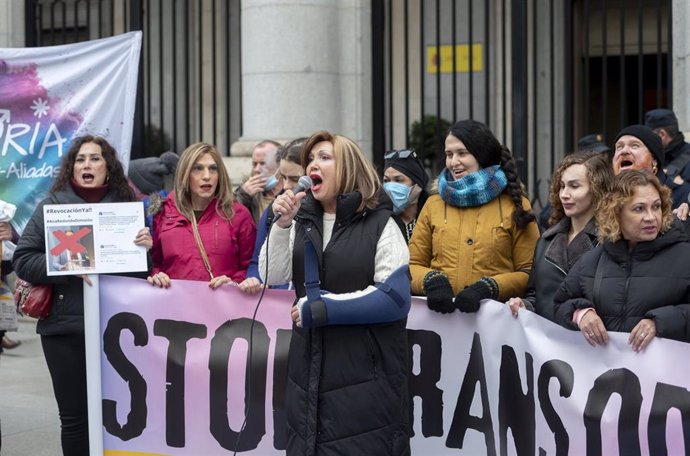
28 413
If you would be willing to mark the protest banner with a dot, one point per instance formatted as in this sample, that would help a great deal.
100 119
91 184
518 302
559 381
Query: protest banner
48 95
177 379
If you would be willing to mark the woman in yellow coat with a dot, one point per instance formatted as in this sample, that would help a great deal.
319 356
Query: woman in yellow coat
475 236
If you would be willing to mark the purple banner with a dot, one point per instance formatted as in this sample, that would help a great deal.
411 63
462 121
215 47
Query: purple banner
176 379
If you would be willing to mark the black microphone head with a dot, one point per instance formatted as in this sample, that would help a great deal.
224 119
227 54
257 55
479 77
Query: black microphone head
303 184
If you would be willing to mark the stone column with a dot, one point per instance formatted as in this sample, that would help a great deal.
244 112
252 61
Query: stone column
306 66
11 23
680 16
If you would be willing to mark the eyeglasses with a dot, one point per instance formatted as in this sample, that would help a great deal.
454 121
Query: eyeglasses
405 153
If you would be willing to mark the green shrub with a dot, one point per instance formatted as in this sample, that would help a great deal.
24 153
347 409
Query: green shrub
427 138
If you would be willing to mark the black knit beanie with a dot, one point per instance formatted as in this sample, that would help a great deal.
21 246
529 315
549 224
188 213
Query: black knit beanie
409 166
648 137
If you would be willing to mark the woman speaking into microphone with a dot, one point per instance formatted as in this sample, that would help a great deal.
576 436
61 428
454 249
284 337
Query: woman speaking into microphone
348 262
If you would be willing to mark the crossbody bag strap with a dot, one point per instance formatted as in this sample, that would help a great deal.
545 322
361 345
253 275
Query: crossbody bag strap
598 276
200 246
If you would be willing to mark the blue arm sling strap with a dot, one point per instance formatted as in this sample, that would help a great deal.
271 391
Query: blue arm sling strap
390 301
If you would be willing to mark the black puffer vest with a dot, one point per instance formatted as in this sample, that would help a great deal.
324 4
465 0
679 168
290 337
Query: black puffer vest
347 385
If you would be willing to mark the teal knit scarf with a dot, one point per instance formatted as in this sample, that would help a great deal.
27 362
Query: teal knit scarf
474 189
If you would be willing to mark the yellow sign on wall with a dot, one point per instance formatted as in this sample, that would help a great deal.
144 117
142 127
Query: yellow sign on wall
444 55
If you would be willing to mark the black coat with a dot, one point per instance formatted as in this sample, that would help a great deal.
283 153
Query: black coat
29 262
677 156
679 192
553 258
651 281
347 385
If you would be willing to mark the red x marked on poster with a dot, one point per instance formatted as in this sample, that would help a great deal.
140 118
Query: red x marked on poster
69 241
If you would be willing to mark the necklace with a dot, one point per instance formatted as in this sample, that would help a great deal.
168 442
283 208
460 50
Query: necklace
409 227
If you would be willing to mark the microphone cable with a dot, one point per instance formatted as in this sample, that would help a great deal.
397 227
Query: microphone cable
304 184
248 389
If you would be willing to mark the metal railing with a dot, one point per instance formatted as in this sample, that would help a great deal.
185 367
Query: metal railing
190 74
540 73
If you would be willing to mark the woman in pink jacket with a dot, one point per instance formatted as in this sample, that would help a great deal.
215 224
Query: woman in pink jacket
200 233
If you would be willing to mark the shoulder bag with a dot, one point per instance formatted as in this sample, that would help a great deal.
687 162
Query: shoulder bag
33 300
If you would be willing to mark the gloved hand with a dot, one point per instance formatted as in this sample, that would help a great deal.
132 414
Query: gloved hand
468 299
439 293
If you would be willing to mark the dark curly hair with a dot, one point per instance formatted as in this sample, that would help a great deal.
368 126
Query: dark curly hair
116 178
483 145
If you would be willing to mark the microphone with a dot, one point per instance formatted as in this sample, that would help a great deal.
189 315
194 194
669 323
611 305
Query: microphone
303 185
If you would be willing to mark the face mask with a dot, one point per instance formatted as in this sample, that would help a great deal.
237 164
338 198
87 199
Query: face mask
399 195
270 183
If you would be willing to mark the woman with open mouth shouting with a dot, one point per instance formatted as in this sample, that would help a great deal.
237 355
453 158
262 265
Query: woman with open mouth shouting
475 236
348 262
200 232
90 172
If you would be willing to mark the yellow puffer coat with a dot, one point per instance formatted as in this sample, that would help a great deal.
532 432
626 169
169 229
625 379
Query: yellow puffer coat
473 242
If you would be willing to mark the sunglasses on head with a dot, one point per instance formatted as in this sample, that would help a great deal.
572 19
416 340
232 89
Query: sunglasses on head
400 154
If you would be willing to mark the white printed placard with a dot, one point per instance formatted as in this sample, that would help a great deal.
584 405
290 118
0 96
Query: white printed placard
93 238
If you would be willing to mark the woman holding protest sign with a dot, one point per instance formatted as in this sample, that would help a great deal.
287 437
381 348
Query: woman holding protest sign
200 232
578 185
90 173
475 236
637 280
348 348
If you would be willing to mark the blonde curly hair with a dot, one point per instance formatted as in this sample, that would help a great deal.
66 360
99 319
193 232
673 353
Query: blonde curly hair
624 185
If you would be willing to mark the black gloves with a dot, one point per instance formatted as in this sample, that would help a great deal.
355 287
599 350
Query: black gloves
468 299
439 293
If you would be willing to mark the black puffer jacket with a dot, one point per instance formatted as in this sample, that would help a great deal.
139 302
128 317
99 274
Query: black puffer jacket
553 258
651 281
29 262
347 385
